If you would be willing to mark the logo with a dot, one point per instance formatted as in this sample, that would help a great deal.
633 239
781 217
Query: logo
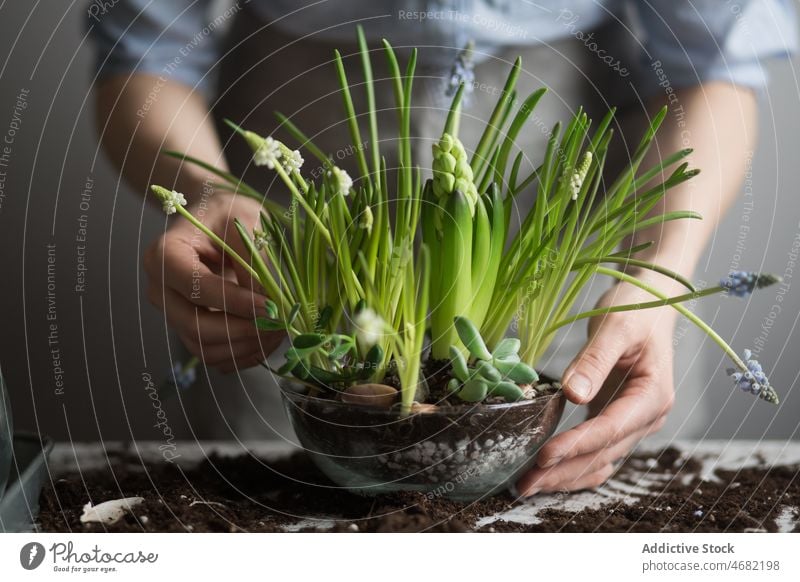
31 555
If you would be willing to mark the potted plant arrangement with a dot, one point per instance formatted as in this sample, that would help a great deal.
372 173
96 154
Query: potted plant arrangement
397 289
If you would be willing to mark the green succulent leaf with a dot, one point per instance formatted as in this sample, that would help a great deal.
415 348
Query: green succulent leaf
272 309
288 366
508 390
506 349
471 338
489 372
453 385
324 318
459 364
265 324
372 362
473 390
518 371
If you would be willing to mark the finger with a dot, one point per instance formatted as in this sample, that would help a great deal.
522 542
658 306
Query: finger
209 327
243 364
584 481
190 277
634 408
215 354
584 377
569 471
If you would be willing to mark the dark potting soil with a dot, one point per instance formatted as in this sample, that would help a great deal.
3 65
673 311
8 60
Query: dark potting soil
224 494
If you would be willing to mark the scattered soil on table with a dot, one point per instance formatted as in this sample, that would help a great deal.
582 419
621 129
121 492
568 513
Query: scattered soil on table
224 494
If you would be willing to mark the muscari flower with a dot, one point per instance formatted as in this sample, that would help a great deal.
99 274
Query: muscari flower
369 327
462 71
743 283
292 160
260 239
170 199
184 375
266 151
341 179
753 380
578 175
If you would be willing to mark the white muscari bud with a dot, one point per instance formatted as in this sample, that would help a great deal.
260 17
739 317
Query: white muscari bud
366 219
292 160
369 327
579 175
266 151
342 180
260 239
170 199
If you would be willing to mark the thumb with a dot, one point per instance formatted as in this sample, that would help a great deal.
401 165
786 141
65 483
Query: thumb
586 374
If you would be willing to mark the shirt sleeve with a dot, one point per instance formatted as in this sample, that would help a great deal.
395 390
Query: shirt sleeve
691 42
171 39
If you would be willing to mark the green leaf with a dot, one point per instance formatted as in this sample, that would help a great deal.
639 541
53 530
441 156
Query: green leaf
489 372
372 362
471 338
265 324
288 366
459 364
453 385
508 390
518 372
307 341
324 318
506 348
293 314
306 344
473 390
272 309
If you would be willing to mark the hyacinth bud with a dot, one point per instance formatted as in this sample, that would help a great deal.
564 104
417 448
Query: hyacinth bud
451 170
366 219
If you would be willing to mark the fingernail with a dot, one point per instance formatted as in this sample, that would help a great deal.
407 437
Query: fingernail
550 462
532 491
579 384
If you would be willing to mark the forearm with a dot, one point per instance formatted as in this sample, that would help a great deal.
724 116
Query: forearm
720 124
176 118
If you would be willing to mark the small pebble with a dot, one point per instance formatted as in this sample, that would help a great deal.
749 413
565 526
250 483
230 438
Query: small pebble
352 527
651 463
698 513
144 519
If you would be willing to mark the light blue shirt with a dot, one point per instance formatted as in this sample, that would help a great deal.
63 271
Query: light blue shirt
693 41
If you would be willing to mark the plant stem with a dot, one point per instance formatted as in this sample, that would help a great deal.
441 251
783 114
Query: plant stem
681 309
223 245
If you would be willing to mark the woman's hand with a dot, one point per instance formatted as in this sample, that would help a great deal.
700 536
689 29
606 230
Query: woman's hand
207 298
624 374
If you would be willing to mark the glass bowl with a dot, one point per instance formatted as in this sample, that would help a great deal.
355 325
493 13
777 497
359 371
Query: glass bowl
462 452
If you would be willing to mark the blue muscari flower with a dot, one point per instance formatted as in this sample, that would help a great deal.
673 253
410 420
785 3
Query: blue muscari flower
184 374
743 283
753 380
462 71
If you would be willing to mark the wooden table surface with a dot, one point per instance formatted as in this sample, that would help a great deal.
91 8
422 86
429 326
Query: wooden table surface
712 455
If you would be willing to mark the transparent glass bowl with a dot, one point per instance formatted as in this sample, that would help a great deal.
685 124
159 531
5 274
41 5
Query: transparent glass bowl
461 452
6 433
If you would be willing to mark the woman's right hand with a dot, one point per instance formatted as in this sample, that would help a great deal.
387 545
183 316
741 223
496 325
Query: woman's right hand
208 299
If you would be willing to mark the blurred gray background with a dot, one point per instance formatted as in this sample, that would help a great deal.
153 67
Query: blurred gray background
109 338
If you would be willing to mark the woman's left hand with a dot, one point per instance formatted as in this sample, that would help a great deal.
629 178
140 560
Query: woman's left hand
624 374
